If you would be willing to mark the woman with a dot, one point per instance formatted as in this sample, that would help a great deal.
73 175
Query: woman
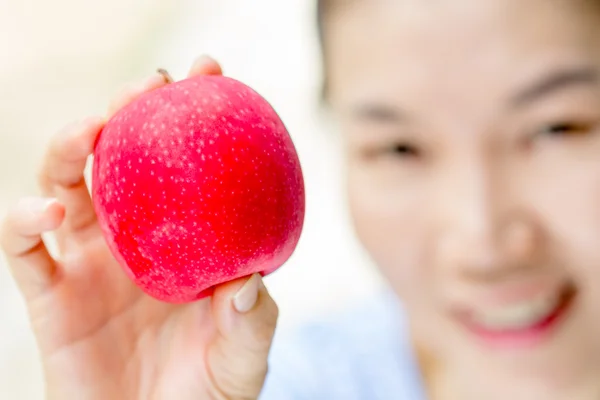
472 139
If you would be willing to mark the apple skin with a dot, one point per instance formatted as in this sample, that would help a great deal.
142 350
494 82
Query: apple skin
195 184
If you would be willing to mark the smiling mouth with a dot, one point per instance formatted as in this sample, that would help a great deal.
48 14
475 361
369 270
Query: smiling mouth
522 324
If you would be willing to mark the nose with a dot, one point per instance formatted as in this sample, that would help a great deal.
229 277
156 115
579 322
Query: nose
487 235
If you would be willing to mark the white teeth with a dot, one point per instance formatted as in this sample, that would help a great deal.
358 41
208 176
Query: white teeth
518 315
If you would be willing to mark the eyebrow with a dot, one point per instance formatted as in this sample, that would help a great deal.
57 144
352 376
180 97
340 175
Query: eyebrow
378 111
554 82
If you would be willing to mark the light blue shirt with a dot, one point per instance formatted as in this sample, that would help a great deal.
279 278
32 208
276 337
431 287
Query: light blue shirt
362 354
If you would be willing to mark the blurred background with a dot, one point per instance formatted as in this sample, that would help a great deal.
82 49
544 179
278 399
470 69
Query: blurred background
64 59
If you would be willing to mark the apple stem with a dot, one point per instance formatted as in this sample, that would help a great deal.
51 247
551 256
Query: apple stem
166 75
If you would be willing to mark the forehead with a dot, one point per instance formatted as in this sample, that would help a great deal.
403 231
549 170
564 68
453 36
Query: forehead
386 47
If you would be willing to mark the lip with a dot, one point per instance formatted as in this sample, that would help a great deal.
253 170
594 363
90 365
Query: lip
527 337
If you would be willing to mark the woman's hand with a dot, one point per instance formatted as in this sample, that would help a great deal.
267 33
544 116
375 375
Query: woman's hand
101 337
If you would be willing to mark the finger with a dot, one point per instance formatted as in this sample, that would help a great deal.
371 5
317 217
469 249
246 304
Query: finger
20 237
62 172
205 65
246 316
132 91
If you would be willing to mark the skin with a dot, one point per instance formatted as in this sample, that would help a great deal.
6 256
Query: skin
472 136
472 141
99 336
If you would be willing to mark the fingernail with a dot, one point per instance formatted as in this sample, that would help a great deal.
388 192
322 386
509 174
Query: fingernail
245 299
203 61
37 205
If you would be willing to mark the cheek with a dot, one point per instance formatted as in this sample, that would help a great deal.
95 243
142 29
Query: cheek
569 202
389 220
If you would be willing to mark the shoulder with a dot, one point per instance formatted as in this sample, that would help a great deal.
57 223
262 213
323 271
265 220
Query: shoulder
360 353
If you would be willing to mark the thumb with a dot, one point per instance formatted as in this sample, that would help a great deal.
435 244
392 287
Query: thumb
245 316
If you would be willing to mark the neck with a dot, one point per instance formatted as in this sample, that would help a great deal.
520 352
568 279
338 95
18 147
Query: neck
454 383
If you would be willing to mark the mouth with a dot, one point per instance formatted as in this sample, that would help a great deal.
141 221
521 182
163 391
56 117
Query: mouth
522 324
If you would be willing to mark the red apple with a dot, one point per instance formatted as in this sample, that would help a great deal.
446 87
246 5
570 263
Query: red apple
195 184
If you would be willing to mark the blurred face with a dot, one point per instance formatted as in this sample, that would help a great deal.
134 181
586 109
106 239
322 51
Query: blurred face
472 131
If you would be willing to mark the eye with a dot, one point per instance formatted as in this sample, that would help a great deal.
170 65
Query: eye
565 129
392 151
403 150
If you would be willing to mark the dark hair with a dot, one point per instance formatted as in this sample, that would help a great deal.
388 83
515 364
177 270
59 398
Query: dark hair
324 10
322 7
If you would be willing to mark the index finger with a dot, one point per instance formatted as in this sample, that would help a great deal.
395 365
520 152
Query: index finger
62 173
67 154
